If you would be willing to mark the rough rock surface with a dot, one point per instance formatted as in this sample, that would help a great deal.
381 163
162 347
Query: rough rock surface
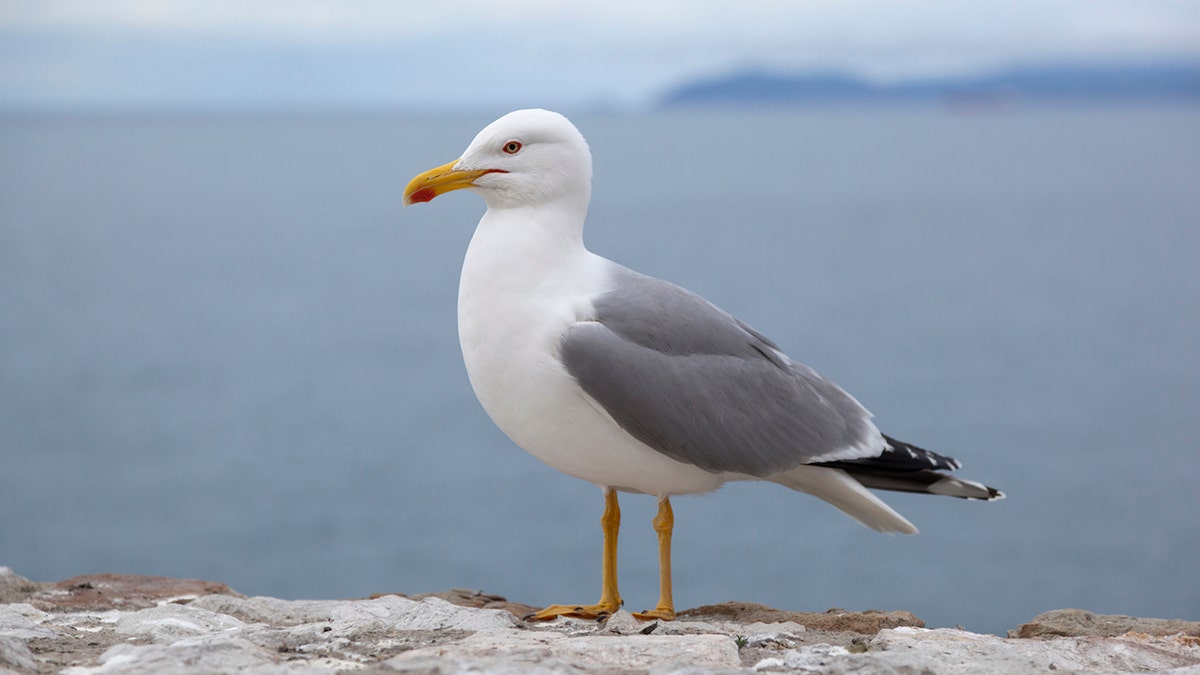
871 621
126 624
1075 622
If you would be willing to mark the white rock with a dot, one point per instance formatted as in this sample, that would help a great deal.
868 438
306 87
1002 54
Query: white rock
333 630
971 653
266 635
14 654
198 655
24 621
660 653
954 652
89 621
547 651
350 617
624 623
270 610
760 634
691 627
11 578
817 658
437 614
170 623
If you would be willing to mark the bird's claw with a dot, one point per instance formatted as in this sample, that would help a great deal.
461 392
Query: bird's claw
658 613
598 612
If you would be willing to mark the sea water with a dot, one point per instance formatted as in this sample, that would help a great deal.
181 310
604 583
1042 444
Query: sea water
226 352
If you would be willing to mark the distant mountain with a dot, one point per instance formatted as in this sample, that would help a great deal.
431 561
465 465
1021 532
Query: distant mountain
1062 83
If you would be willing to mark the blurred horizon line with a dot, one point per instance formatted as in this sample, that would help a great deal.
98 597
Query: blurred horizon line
1093 82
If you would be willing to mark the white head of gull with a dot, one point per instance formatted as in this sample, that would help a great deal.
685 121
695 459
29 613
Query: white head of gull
632 383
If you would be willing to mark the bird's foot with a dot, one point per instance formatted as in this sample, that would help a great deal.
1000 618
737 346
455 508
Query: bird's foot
659 613
597 612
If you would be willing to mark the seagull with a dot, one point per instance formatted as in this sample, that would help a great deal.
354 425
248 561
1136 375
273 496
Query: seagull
635 384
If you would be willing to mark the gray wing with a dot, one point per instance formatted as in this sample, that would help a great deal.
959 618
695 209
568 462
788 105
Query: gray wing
696 384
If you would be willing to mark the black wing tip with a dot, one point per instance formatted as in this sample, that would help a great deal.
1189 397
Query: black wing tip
903 467
924 481
993 495
899 456
943 463
974 491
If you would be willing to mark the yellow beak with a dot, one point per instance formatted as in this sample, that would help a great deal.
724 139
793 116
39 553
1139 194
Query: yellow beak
440 180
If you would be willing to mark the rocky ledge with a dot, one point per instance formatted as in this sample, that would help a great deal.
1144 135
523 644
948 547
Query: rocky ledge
134 624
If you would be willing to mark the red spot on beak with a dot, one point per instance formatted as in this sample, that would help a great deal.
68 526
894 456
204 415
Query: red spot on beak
422 195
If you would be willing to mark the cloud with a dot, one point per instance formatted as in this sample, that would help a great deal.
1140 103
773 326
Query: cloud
419 52
675 21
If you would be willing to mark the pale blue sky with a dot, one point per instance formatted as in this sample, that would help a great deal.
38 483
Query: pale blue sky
221 53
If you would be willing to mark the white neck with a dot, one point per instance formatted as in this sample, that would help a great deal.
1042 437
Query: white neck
531 261
526 278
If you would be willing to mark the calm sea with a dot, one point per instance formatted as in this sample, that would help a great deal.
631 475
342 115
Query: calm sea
227 353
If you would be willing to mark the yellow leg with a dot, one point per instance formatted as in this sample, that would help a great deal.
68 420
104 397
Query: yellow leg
610 597
664 523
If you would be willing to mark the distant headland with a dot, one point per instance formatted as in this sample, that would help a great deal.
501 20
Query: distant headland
1162 82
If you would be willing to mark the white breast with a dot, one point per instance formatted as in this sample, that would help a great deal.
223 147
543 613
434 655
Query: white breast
520 291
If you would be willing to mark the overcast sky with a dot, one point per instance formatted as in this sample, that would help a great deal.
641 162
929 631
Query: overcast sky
281 53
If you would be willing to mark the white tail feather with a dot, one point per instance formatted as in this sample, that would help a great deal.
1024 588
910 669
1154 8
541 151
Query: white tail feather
848 495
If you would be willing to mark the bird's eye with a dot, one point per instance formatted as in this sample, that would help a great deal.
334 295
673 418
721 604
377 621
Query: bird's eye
512 147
